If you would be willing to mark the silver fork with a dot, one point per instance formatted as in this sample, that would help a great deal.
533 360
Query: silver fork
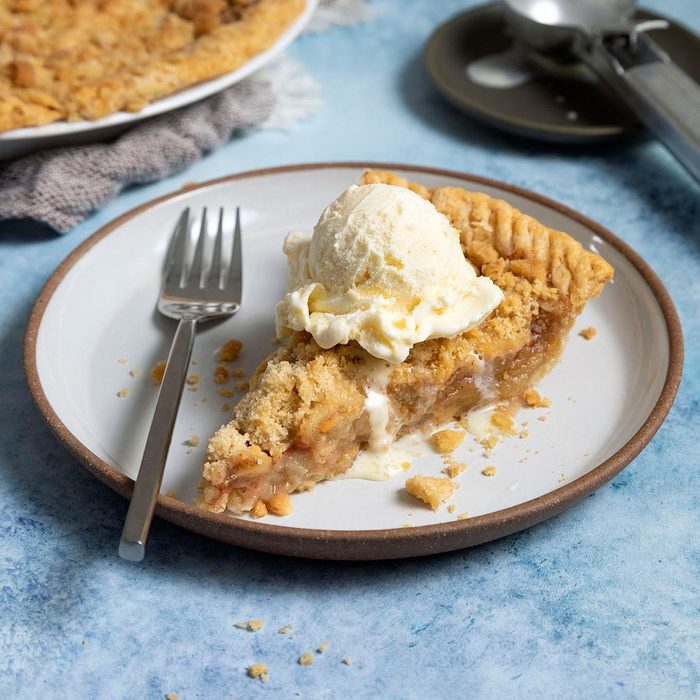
189 293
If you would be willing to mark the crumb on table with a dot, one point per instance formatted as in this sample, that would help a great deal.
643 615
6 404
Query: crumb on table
193 441
260 671
123 393
251 625
462 516
279 504
430 489
323 646
446 441
135 372
588 333
193 379
489 471
226 393
346 660
157 372
122 360
451 508
306 659
171 696
286 629
230 350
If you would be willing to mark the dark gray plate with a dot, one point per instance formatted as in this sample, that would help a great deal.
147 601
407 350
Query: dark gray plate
563 103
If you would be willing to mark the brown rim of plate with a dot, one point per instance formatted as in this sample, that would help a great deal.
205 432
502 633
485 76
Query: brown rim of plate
370 544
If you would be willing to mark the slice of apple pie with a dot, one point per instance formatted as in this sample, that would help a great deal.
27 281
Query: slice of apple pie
391 344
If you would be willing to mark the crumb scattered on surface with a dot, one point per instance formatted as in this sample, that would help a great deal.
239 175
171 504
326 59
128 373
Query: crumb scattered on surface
452 466
251 625
135 372
501 420
489 442
523 434
542 418
123 393
430 489
462 516
260 671
563 478
157 372
171 696
489 471
323 646
193 379
238 373
193 441
230 350
286 629
122 360
532 398
279 504
226 407
406 525
258 510
193 389
445 441
226 393
346 660
221 375
405 466
588 333
306 659
171 494
451 508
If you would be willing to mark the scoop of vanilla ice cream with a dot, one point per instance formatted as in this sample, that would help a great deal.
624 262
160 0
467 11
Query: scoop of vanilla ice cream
385 268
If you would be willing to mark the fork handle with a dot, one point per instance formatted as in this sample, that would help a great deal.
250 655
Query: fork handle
132 545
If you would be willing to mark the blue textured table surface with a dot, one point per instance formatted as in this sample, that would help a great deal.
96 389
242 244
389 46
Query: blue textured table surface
599 602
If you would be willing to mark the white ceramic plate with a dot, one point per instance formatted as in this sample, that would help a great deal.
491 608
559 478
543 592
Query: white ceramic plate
18 142
96 321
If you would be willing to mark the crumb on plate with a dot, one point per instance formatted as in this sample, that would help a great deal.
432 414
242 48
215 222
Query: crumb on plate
279 504
123 393
230 350
501 420
588 333
258 510
157 372
221 375
323 646
446 441
135 372
286 629
489 471
430 489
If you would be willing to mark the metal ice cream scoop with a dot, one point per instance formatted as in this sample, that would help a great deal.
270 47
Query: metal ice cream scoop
603 34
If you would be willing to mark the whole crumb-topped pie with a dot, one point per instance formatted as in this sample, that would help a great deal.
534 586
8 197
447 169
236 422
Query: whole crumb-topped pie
67 60
310 410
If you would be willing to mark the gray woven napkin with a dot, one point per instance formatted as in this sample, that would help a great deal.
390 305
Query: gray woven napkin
60 187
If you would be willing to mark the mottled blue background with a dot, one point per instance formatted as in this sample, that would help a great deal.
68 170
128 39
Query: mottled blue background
600 602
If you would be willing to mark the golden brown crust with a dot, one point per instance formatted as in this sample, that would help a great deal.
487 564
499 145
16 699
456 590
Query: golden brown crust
85 60
303 419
